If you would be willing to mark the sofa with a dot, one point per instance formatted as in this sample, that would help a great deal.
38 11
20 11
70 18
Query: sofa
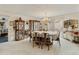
68 35
4 32
72 36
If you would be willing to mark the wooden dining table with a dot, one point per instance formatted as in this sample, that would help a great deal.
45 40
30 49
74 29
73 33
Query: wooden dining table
51 33
48 32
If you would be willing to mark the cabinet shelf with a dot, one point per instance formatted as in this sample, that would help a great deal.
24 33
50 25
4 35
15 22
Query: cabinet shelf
19 29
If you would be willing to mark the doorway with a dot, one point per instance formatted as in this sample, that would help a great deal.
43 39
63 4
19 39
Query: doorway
3 30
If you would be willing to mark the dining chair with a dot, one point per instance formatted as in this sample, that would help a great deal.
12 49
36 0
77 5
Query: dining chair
56 38
45 40
36 39
26 33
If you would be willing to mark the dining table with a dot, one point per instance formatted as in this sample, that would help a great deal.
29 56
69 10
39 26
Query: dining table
48 32
51 33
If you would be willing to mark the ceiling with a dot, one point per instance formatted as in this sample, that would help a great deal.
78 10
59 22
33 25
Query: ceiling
37 10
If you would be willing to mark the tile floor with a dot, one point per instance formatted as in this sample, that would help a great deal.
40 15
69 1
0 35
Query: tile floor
24 47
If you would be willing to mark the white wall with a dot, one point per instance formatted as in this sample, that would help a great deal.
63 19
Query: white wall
11 32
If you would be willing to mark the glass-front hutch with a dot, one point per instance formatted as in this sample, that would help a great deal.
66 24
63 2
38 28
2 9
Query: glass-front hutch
19 29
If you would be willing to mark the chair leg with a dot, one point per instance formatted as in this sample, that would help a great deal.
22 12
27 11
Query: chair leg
59 43
30 39
33 44
48 47
52 42
41 46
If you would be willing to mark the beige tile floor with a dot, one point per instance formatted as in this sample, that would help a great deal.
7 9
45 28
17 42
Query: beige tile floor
24 47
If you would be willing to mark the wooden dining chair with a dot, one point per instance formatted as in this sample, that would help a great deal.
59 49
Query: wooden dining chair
48 42
56 38
36 39
45 40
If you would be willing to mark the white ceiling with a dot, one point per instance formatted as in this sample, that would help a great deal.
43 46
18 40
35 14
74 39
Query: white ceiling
37 10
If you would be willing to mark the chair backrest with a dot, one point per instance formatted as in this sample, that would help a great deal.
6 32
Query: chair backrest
55 37
44 35
35 34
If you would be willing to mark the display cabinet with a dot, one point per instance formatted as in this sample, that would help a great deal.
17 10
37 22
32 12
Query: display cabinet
71 23
19 29
34 25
